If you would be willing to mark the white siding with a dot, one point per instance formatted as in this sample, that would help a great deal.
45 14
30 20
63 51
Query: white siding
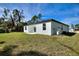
58 27
25 30
65 28
39 28
51 28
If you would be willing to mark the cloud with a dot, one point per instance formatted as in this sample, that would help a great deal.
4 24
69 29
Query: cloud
72 20
1 11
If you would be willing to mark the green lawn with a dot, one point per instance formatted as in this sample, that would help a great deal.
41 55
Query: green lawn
19 43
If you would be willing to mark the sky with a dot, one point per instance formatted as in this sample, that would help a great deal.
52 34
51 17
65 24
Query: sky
65 12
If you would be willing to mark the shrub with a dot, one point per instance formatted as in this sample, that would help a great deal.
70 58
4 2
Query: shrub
68 33
2 30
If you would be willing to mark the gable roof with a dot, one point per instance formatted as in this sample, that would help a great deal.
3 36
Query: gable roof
43 21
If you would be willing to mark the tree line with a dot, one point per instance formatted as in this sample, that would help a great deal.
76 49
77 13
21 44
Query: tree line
12 20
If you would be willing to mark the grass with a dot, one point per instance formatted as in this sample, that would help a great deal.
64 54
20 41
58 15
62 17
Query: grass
19 43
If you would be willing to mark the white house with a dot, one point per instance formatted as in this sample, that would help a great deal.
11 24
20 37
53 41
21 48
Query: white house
47 27
72 28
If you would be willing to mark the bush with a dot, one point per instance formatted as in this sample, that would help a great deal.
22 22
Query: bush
13 29
68 33
7 30
2 30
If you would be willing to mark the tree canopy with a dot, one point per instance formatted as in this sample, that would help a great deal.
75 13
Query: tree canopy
10 20
77 26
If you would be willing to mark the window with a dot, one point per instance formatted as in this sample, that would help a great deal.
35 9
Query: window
44 26
62 28
25 27
34 29
59 27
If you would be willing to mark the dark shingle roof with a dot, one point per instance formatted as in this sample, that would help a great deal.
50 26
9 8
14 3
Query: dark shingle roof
43 21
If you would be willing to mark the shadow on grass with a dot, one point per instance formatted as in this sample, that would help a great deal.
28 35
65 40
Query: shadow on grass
7 50
2 42
69 47
31 53
68 33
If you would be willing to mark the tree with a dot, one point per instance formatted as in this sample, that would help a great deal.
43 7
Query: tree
39 16
21 16
77 26
12 20
1 20
6 13
15 15
36 18
17 18
5 18
18 15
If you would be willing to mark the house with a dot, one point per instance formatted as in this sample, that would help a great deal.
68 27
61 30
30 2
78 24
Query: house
72 28
47 27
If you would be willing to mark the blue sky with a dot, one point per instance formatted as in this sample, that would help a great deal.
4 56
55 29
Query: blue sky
67 13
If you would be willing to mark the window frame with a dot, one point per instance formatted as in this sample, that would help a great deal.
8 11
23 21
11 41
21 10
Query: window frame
25 27
44 26
34 29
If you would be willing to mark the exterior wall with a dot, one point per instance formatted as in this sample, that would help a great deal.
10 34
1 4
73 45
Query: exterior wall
71 30
51 28
65 28
55 27
25 30
39 29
